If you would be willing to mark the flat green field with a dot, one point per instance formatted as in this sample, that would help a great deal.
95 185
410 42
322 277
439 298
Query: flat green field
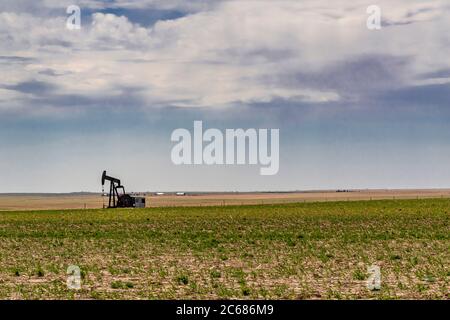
292 251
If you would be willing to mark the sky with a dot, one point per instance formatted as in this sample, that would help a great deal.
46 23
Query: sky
356 108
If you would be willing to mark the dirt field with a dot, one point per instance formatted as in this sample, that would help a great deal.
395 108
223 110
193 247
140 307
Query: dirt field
95 201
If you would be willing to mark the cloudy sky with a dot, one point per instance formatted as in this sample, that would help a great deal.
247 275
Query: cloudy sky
356 108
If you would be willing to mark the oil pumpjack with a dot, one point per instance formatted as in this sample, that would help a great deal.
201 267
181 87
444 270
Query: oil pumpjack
118 198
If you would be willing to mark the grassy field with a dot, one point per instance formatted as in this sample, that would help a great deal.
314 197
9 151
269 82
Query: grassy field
289 251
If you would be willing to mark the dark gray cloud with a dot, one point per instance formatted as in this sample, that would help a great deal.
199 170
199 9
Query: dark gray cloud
55 42
127 99
428 97
411 16
16 59
444 73
32 86
53 72
242 55
414 13
358 76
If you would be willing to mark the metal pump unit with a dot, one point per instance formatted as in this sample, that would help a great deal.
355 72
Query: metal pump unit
118 198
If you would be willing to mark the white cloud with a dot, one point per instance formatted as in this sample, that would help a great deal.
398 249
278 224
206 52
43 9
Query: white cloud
231 53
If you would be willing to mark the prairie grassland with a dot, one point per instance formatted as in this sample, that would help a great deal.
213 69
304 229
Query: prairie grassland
288 251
